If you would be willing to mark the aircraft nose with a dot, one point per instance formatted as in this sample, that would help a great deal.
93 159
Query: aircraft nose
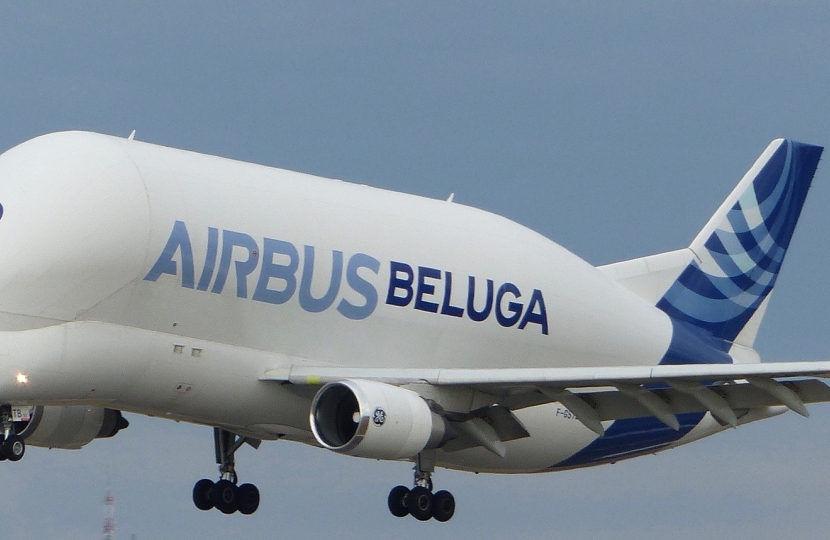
76 227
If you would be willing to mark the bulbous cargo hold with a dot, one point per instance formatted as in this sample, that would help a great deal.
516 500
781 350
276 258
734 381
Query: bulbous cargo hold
155 235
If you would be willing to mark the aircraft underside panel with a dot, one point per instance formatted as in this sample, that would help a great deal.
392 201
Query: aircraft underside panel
629 438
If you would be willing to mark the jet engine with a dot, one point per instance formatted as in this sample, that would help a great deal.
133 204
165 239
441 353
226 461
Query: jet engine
374 420
69 427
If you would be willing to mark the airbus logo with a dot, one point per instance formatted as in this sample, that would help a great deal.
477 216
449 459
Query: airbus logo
422 288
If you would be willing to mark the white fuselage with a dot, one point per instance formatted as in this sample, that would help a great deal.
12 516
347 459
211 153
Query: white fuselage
167 282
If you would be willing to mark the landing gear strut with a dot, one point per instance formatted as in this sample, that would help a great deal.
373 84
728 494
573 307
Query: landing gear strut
420 502
225 495
12 446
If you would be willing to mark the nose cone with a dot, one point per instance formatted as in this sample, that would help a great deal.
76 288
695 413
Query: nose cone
73 225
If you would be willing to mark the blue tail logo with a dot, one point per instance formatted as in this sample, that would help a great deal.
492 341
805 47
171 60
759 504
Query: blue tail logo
739 254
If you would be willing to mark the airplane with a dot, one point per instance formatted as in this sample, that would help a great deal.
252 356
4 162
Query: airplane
274 305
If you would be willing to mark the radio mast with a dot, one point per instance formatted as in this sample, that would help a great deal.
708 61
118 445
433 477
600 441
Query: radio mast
109 516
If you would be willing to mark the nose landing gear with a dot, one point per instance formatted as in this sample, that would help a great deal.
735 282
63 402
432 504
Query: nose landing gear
225 495
420 502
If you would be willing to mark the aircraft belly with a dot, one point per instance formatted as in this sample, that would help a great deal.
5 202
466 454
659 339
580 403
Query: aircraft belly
220 399
153 373
555 434
559 441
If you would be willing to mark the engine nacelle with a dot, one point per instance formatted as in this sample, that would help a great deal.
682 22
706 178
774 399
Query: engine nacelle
374 420
70 427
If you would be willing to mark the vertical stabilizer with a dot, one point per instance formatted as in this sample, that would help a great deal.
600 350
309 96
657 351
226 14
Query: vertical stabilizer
738 254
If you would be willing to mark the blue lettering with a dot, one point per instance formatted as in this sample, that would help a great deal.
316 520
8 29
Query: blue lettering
537 318
210 259
285 272
446 307
230 239
396 283
402 290
179 240
428 289
479 316
513 307
307 301
360 286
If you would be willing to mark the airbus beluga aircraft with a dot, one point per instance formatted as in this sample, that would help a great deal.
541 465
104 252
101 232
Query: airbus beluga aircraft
268 304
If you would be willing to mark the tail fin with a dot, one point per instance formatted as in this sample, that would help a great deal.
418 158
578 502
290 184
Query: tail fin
738 254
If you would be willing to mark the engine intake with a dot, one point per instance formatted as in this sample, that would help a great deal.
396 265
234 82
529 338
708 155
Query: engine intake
374 420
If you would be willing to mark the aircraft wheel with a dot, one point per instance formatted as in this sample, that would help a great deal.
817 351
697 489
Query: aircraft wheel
419 503
13 448
223 496
247 499
200 494
397 501
443 506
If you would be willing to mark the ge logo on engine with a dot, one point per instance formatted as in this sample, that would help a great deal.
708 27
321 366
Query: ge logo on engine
379 416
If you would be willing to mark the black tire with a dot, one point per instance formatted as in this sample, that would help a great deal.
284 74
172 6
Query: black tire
14 448
247 499
200 494
443 506
223 496
397 501
419 503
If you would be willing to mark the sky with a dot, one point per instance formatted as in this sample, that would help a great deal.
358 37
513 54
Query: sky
613 128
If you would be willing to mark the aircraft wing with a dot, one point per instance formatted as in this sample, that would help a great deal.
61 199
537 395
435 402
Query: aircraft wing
597 394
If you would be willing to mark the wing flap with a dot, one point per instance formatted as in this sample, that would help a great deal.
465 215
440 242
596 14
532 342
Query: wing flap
613 404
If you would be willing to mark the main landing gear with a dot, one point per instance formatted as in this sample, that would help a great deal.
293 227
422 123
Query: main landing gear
225 495
12 446
420 502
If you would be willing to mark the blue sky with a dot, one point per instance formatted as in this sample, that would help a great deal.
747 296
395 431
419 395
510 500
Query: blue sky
615 129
